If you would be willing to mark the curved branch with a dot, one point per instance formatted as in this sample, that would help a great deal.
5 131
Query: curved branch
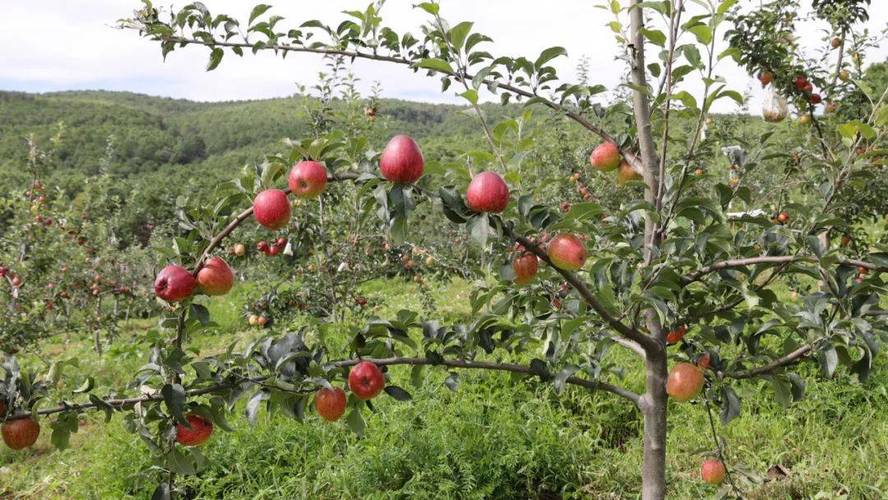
121 404
771 259
573 115
488 365
792 358
646 343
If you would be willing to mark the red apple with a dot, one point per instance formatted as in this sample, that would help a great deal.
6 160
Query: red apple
401 160
704 361
605 157
713 471
685 381
174 283
525 267
330 403
487 193
814 99
626 173
836 42
16 281
307 179
366 380
783 217
3 271
272 209
262 321
674 336
21 433
766 77
263 247
800 81
274 250
200 431
215 277
567 252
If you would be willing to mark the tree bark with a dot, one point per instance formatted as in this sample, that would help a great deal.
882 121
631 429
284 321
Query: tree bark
653 408
653 403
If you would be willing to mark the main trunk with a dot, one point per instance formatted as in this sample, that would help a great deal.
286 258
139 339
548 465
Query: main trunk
653 409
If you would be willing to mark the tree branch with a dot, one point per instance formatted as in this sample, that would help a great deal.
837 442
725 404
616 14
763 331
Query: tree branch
771 259
573 115
792 358
647 343
121 404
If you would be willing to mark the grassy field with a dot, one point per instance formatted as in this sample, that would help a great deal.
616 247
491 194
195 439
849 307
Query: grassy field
494 437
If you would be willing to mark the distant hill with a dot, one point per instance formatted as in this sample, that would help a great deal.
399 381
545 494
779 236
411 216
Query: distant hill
139 134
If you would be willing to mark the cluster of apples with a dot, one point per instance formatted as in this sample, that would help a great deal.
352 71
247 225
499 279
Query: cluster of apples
606 157
365 381
684 383
14 279
274 248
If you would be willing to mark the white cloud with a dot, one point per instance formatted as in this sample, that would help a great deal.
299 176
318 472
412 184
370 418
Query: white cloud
61 44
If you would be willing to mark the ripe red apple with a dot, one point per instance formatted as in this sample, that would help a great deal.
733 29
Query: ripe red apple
215 277
814 99
401 160
307 178
685 381
567 252
605 157
200 431
366 380
487 193
626 173
330 403
239 250
800 81
704 361
262 246
174 283
525 267
836 42
675 336
713 471
20 434
262 321
272 209
3 271
808 88
274 250
783 217
766 77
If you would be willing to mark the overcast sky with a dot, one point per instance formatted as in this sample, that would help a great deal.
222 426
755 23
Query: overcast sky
48 45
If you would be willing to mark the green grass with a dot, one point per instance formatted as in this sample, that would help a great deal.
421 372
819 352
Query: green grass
495 437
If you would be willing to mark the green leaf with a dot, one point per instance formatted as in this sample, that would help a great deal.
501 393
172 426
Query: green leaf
547 55
436 65
355 422
199 313
398 393
215 58
258 11
702 32
174 397
459 33
479 229
655 36
730 406
470 95
86 386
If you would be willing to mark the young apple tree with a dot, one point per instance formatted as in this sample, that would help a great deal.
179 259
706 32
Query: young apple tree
682 275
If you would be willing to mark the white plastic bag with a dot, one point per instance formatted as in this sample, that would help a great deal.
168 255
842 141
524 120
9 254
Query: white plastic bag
774 105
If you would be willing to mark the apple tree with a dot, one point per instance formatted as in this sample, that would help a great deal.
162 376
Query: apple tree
681 272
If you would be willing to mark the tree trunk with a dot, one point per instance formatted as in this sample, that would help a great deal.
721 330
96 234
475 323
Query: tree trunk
653 408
